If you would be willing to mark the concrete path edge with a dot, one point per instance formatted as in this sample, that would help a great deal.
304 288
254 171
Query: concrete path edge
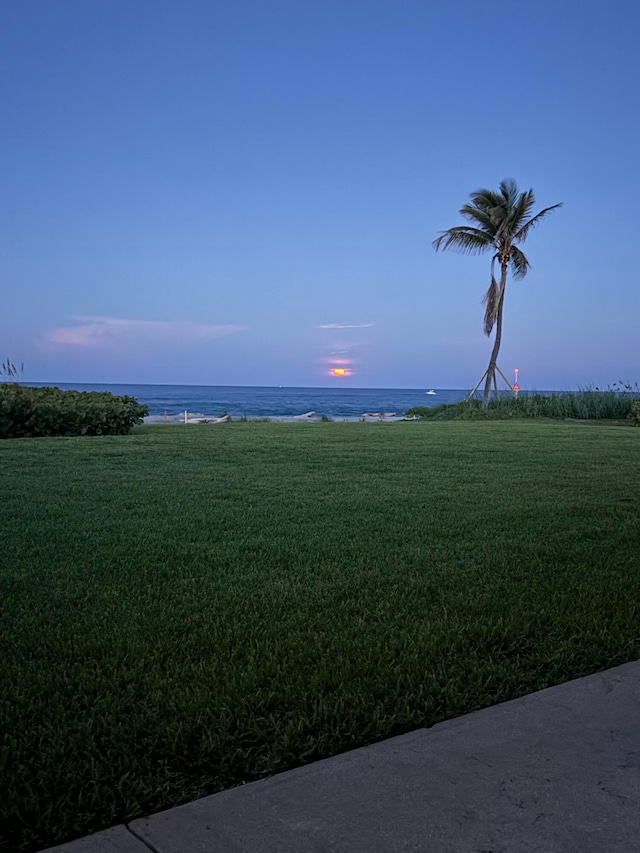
555 771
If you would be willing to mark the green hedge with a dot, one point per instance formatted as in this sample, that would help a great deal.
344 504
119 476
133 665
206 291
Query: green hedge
33 412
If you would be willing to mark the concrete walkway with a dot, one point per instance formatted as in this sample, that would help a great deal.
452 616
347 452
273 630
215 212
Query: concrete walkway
558 770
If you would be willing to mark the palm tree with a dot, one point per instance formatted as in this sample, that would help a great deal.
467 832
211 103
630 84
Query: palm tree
500 221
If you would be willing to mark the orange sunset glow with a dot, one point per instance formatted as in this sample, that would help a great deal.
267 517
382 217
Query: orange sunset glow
339 371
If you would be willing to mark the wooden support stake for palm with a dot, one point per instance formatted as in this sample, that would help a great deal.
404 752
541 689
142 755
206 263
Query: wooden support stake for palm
495 383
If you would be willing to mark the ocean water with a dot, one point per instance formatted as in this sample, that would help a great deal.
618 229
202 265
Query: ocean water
265 402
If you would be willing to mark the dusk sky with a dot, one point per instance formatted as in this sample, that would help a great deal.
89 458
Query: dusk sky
246 193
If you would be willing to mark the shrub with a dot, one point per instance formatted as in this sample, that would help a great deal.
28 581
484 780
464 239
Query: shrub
635 412
34 412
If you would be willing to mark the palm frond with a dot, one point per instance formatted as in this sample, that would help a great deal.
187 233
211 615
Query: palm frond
491 301
523 232
496 208
464 239
521 209
519 263
481 217
509 193
486 200
501 219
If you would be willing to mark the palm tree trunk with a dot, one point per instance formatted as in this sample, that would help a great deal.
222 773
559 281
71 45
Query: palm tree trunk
491 370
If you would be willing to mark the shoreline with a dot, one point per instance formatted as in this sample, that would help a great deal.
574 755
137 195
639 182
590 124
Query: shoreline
196 418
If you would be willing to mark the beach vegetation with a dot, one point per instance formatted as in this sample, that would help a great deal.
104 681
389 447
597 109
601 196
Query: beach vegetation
499 221
27 412
9 370
587 404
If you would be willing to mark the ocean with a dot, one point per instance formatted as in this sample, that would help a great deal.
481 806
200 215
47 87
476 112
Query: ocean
265 402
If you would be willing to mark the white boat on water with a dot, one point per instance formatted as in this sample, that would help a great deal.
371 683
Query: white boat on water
430 392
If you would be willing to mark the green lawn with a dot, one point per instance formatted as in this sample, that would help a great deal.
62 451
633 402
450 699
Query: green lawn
187 608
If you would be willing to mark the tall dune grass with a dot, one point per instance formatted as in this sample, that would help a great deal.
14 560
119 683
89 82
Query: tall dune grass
586 404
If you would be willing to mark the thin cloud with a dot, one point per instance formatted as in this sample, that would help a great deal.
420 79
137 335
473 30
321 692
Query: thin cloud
97 332
331 359
345 325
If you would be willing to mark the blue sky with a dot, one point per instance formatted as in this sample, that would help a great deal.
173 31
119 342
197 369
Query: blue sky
246 193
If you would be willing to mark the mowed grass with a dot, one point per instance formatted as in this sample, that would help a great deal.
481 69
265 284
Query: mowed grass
187 608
